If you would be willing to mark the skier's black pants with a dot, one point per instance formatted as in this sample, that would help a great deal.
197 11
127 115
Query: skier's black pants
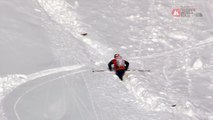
120 73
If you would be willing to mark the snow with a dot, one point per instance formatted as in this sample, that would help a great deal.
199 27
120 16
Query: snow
198 64
46 62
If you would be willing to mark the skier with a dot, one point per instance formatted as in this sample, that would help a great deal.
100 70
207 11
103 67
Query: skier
119 65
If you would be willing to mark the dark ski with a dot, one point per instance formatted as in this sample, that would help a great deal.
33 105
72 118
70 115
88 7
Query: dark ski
127 70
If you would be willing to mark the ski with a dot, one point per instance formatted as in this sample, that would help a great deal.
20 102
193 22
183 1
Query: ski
140 70
127 70
100 70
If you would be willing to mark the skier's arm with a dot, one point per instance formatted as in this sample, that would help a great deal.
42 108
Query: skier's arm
110 65
127 65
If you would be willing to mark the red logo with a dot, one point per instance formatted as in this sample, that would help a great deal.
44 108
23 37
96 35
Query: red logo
176 12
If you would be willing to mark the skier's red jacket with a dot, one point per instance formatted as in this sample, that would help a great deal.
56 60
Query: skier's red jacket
116 67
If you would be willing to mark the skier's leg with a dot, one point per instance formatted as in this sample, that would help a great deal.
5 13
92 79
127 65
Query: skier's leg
120 74
121 77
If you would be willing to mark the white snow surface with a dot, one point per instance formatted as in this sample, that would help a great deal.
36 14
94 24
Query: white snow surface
46 63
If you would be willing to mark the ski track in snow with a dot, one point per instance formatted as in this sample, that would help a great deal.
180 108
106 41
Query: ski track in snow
41 74
59 11
52 71
90 97
36 87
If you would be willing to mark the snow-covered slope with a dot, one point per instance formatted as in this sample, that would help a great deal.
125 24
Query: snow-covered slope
25 44
46 62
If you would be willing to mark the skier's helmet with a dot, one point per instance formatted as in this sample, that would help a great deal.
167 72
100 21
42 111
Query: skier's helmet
116 55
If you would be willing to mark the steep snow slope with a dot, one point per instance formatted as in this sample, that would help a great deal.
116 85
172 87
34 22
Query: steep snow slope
25 45
176 50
